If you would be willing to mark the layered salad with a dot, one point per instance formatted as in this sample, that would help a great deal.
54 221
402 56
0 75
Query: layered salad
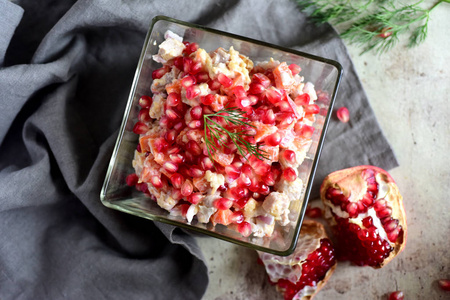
221 137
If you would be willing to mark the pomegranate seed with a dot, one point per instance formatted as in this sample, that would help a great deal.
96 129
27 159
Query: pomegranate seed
170 136
195 198
202 77
384 213
312 109
143 115
352 209
178 62
315 212
232 171
245 229
302 99
385 32
172 114
284 106
164 122
390 225
192 92
269 117
239 91
156 181
187 188
256 88
207 163
273 95
187 63
379 205
190 48
194 124
289 156
367 222
145 101
132 179
177 158
237 217
261 168
138 148
261 79
173 99
343 114
214 84
295 69
158 73
195 67
289 174
243 103
170 167
207 100
176 194
263 189
161 144
244 180
177 180
142 187
140 128
223 203
444 284
398 295
188 81
196 112
194 148
287 120
269 179
306 131
273 139
196 172
393 235
224 80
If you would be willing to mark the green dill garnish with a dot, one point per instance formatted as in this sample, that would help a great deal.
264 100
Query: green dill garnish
373 25
214 131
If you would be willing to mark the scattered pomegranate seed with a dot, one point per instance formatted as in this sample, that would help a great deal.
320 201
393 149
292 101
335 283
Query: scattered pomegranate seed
170 136
194 124
132 179
142 187
196 112
343 114
385 32
140 128
269 117
305 131
145 101
224 80
289 174
314 212
172 114
187 63
444 284
398 295
158 73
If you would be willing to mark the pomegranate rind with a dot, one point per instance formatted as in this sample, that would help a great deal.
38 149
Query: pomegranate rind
316 230
346 177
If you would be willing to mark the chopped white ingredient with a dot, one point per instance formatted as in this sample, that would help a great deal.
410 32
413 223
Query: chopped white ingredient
292 189
157 108
166 201
215 181
277 204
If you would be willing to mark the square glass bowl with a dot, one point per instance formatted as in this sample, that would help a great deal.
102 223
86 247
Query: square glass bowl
323 73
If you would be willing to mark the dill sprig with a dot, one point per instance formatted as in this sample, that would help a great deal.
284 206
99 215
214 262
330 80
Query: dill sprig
214 131
373 25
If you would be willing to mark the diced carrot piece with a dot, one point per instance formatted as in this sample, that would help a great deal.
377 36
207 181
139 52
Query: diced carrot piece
283 76
144 142
174 87
222 216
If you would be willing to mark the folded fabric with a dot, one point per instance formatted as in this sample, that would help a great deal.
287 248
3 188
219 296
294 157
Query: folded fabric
66 68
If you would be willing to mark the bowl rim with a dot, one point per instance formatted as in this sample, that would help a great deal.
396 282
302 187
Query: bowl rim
315 160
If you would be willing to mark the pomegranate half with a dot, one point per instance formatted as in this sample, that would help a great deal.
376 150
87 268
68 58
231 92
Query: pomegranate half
365 209
302 274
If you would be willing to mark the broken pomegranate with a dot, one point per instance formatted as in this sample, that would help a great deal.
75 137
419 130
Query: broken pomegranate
303 273
365 209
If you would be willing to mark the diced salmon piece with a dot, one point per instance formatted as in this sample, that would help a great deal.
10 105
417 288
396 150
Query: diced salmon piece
223 159
223 217
201 184
271 152
219 102
283 76
263 130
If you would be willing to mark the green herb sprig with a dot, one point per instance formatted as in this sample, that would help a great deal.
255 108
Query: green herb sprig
214 131
373 25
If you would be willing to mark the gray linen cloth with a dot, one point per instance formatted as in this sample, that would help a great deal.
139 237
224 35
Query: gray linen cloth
66 68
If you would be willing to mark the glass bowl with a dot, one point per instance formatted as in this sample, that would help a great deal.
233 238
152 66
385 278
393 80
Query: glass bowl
325 74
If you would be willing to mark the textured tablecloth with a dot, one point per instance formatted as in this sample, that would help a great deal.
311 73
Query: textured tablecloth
66 69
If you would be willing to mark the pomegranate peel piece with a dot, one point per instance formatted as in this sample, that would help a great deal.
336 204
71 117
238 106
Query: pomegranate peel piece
302 274
364 207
